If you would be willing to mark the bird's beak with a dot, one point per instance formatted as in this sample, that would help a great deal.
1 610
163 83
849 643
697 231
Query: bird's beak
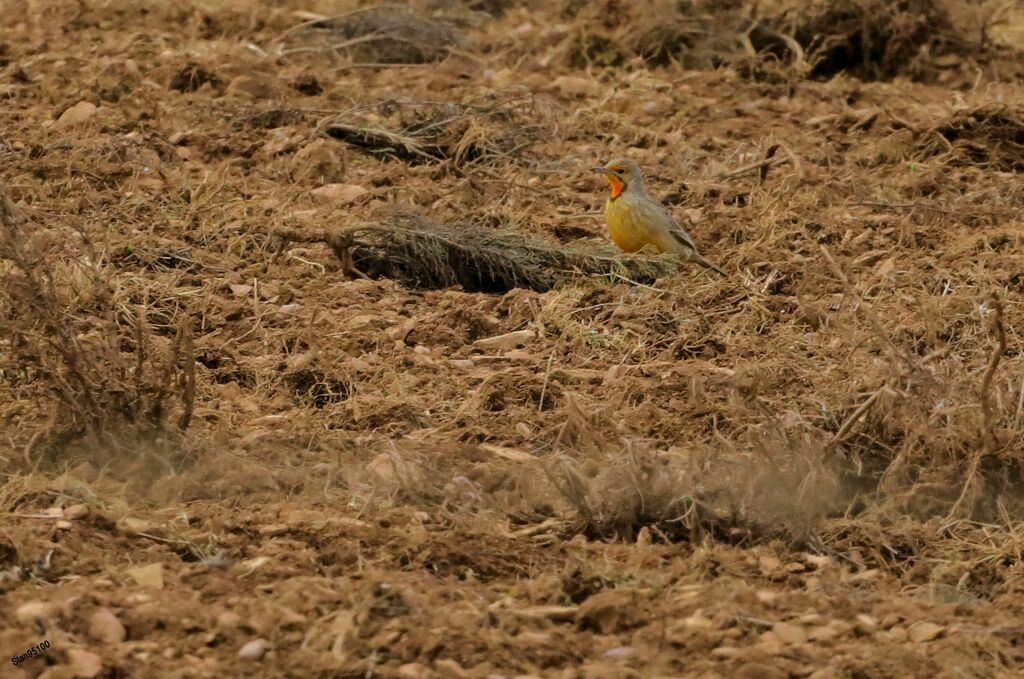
601 169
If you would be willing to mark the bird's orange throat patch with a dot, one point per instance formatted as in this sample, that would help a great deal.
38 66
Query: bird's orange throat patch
617 186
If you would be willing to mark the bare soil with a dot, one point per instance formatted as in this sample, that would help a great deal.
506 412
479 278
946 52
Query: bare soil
235 445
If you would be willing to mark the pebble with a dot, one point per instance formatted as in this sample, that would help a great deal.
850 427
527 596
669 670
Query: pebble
84 663
338 194
34 611
76 115
75 512
104 626
509 340
789 633
253 650
618 653
925 631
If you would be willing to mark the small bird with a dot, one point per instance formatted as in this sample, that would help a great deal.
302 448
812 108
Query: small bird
635 219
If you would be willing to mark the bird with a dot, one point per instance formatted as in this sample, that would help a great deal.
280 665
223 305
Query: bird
635 219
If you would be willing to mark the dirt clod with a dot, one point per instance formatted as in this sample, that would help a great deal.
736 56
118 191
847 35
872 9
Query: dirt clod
105 626
253 650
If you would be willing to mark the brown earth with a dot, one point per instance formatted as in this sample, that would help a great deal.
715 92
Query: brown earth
227 453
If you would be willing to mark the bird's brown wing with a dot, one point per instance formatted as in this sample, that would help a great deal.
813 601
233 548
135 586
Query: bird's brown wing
678 232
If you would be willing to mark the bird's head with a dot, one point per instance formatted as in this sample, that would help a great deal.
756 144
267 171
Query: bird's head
622 173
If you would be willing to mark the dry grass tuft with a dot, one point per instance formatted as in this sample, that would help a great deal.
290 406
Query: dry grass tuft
383 34
776 485
634 491
874 40
420 254
492 127
659 32
990 136
73 340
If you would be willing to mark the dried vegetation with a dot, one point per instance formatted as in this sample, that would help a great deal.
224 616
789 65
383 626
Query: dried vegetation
466 438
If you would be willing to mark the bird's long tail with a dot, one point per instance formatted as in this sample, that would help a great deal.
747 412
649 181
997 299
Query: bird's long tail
696 257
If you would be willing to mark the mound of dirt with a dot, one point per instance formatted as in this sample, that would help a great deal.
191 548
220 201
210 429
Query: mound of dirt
420 254
494 127
659 32
386 34
874 40
990 136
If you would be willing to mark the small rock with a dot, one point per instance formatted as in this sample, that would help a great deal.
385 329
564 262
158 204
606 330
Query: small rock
257 87
519 356
63 525
590 670
506 453
132 525
413 670
75 512
789 633
574 86
890 619
363 321
319 160
281 140
866 624
390 468
760 670
618 653
34 611
925 631
727 652
828 632
250 566
229 620
148 576
866 575
84 663
897 634
509 340
76 115
253 650
824 673
240 290
606 612
400 331
450 668
818 561
383 467
698 621
769 645
273 529
552 612
104 626
338 194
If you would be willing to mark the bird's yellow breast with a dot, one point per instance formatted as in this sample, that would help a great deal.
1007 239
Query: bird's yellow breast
626 226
